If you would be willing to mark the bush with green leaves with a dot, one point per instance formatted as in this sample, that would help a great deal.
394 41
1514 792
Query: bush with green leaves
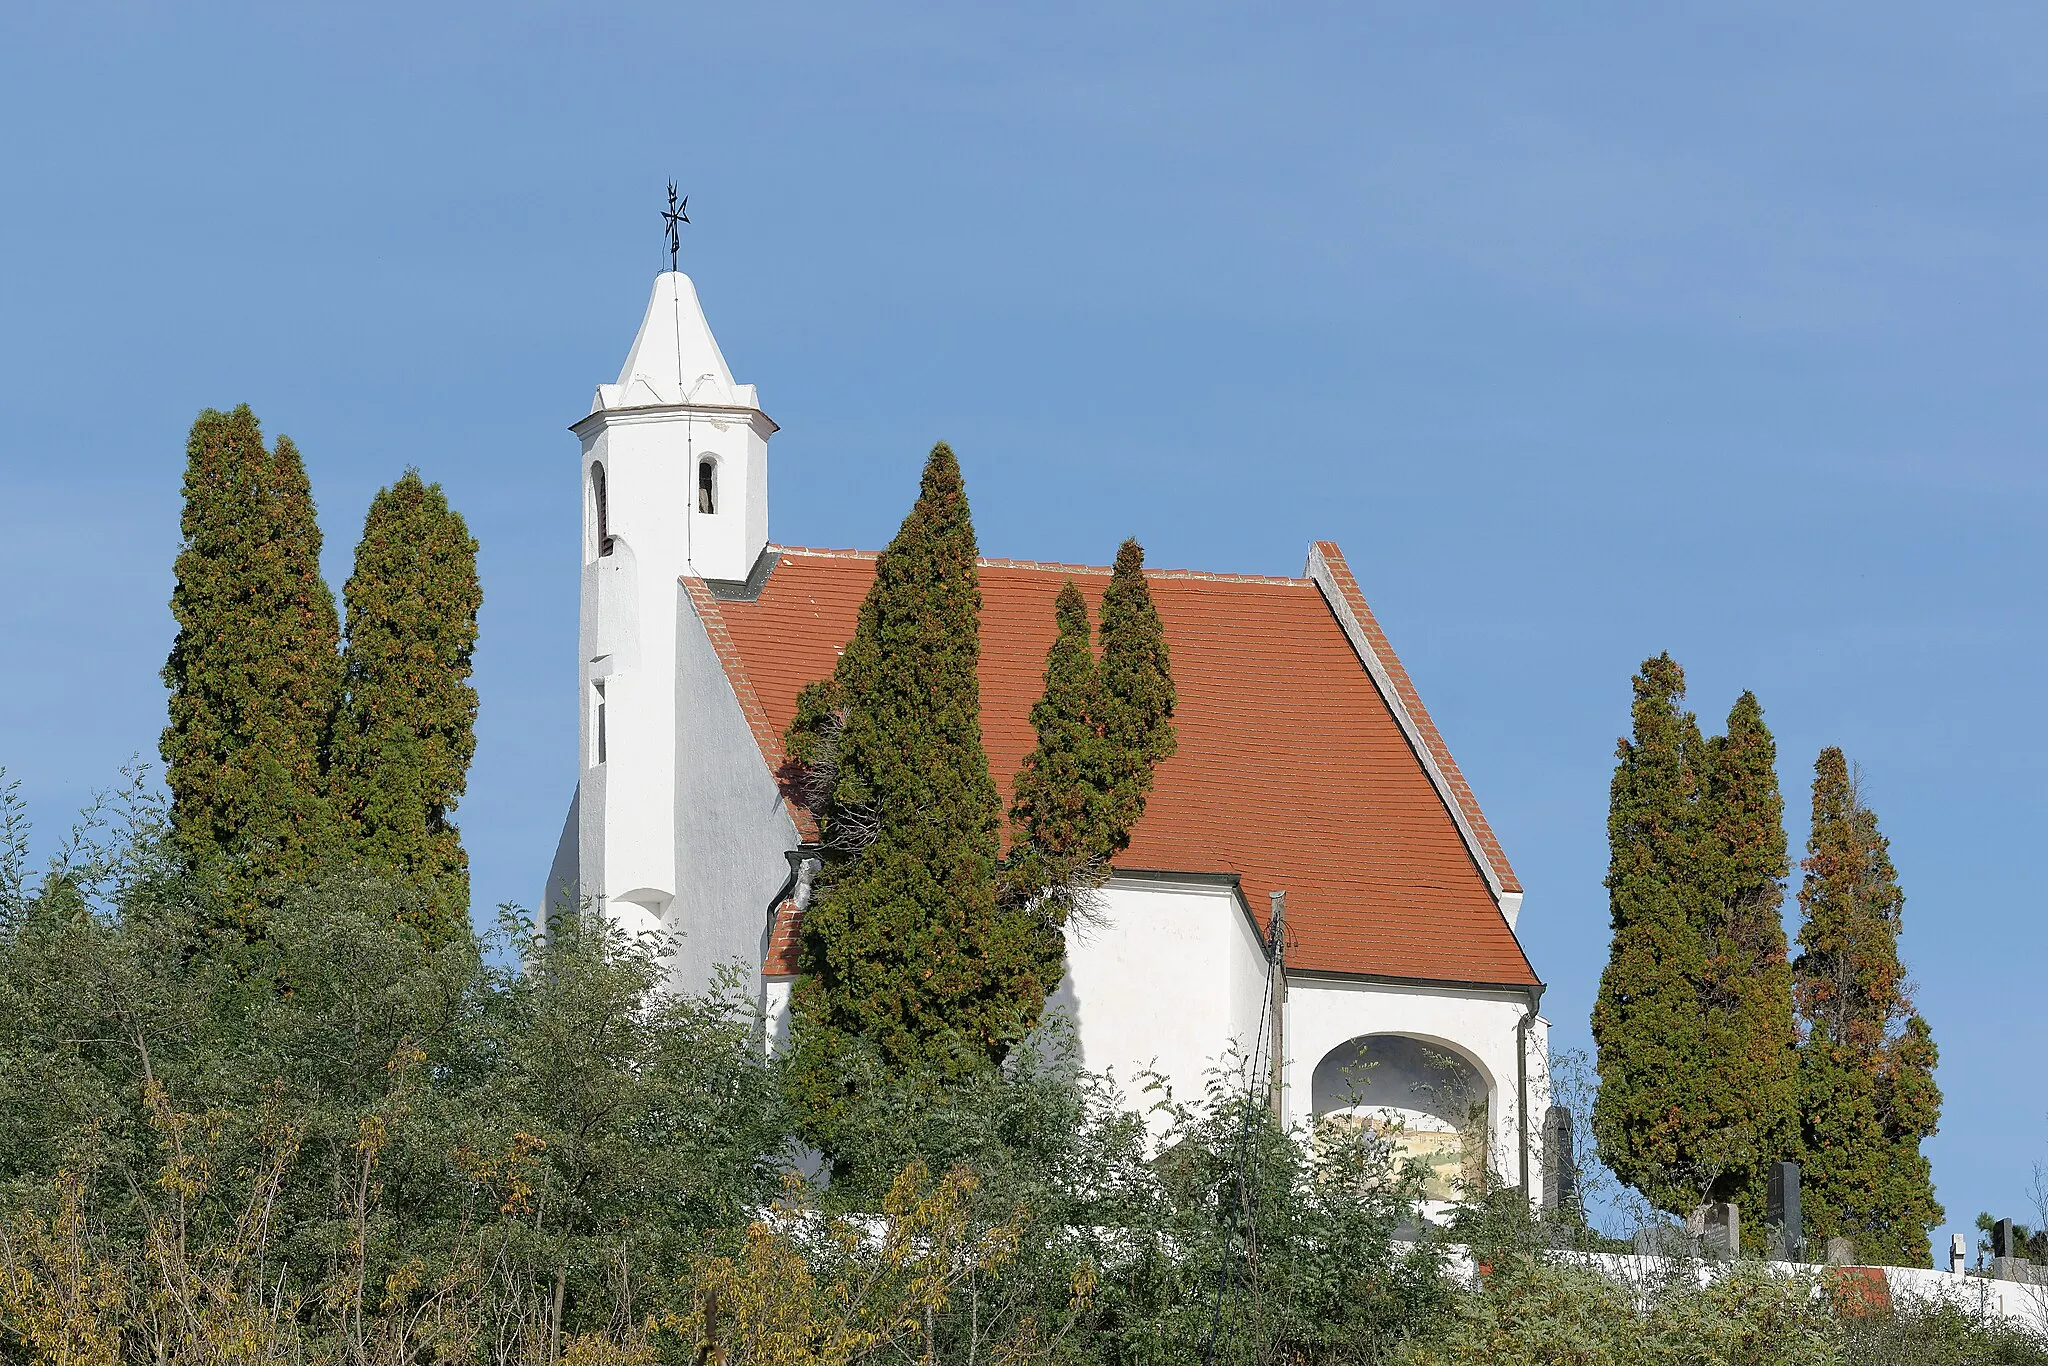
350 1141
508 1137
1530 1312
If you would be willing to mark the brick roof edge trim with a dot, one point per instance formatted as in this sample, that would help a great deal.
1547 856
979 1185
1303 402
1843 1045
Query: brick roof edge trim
712 618
1097 570
1329 572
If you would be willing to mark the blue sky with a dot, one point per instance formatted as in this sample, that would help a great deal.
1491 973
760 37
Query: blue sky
1587 332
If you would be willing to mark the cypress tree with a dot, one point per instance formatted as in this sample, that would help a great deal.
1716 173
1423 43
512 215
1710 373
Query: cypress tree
906 950
253 671
1746 993
399 758
1060 817
1867 1090
1650 1114
1137 691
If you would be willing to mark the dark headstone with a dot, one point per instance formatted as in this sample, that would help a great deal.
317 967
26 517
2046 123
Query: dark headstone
2002 1239
1717 1227
1560 1173
1781 1213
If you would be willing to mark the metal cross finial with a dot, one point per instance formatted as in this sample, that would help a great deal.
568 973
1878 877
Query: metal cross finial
678 213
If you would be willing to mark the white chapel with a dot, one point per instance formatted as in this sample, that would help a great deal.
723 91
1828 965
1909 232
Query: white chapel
1310 781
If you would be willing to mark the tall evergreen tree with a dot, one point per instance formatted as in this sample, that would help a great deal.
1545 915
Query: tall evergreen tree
1652 1111
1101 730
906 950
1062 834
253 671
399 758
1137 690
1746 993
1867 1089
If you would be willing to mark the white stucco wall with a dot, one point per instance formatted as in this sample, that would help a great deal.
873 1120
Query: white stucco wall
732 829
1170 977
1478 1024
564 887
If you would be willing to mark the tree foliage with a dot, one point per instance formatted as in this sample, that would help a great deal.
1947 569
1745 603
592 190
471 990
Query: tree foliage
1137 692
906 948
922 946
1650 1114
1751 1062
1101 729
253 671
1062 831
1868 1095
347 1143
1699 1088
399 756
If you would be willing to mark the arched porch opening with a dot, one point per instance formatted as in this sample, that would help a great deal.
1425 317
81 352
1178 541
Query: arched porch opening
1433 1101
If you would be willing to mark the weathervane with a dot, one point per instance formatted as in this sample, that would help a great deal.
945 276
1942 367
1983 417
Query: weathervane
678 213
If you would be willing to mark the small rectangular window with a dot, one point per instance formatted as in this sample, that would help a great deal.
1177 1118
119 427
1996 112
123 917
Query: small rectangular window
597 744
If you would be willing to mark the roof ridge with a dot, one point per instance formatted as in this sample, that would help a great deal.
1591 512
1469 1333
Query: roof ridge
1058 566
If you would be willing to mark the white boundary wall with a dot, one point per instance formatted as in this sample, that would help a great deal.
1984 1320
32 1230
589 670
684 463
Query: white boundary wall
2017 1300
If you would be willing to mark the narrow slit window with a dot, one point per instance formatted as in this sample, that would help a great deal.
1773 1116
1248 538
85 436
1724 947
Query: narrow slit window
707 486
597 738
600 511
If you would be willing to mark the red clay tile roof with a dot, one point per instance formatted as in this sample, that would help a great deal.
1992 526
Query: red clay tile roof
1293 773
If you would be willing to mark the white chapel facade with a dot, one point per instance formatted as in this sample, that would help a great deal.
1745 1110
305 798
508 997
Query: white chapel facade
1307 767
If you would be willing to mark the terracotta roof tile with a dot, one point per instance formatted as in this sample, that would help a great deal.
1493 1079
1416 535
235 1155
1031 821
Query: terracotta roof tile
1293 771
767 736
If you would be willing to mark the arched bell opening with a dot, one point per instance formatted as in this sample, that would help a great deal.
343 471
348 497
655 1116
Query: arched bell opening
707 486
598 513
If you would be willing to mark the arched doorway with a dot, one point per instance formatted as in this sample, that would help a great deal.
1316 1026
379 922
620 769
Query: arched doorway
1432 1101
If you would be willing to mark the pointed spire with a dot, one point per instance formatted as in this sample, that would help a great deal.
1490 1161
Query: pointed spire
675 359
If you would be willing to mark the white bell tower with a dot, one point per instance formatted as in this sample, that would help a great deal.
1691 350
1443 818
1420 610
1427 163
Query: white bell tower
675 482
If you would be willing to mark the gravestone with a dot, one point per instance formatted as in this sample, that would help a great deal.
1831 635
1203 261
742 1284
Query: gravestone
1958 1257
2008 1262
1840 1251
1718 1227
1781 1213
1560 1175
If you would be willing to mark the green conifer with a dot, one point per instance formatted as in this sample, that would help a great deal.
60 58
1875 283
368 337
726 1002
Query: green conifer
1652 1108
1059 808
1746 994
399 758
1137 691
906 950
1101 729
253 671
1867 1091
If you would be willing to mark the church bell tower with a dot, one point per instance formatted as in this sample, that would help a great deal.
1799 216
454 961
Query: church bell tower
675 482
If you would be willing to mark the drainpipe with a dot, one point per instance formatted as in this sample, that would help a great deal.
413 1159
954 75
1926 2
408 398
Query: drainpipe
1522 1081
803 871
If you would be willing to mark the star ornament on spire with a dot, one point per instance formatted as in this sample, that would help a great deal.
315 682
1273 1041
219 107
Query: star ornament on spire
672 219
